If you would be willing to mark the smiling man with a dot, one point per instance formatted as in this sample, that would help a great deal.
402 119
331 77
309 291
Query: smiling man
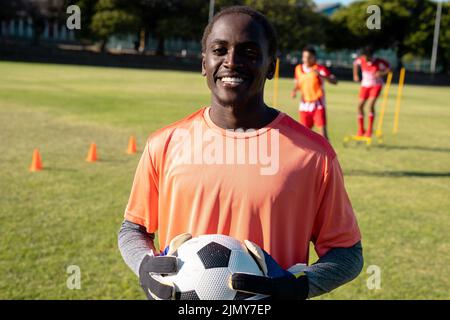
183 188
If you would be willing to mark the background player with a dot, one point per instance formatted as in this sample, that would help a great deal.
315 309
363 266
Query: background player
305 201
309 81
373 70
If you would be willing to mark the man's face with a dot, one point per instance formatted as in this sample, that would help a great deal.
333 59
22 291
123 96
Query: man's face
368 54
308 58
236 61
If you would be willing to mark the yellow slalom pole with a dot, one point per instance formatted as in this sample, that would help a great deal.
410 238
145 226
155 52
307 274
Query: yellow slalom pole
399 98
379 131
275 83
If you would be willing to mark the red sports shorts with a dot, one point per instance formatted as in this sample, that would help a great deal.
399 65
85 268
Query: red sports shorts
369 92
316 118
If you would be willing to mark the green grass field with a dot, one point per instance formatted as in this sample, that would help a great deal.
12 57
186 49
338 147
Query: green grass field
69 213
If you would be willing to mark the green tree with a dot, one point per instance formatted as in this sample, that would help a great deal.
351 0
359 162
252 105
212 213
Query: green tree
406 26
168 18
10 9
113 17
395 20
151 13
87 8
419 41
174 19
444 39
296 22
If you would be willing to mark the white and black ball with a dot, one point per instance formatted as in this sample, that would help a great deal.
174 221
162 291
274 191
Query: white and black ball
206 265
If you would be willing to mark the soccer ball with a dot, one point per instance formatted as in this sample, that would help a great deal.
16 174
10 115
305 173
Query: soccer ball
206 265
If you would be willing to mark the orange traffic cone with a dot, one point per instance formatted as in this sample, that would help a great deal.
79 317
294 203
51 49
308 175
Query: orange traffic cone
92 154
36 163
131 145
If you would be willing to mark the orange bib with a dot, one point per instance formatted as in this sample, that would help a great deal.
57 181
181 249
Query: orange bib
309 84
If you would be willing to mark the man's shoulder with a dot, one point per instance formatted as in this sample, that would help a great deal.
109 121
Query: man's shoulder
381 61
323 69
306 139
161 135
358 60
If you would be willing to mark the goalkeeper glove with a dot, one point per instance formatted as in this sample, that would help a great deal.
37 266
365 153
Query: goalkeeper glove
278 283
153 269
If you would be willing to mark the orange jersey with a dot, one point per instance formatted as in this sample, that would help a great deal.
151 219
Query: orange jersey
309 82
280 186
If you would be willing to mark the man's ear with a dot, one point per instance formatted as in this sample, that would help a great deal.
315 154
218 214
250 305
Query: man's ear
271 70
203 65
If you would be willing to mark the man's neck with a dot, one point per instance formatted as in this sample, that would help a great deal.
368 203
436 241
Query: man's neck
252 116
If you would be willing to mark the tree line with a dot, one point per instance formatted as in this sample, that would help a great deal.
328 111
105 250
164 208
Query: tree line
406 26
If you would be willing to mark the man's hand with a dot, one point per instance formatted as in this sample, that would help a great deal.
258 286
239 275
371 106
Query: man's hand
356 78
381 74
293 94
153 268
332 79
277 283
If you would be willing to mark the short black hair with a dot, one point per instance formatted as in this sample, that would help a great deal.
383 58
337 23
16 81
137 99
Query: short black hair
269 30
311 50
368 51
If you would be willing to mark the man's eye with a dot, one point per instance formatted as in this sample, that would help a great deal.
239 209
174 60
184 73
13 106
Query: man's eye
219 51
251 52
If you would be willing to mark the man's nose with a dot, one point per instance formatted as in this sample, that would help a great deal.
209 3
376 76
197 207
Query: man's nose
232 59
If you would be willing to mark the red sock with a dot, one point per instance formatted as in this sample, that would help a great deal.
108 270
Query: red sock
369 130
360 125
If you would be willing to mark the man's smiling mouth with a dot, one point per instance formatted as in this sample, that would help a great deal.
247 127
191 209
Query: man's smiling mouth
231 81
